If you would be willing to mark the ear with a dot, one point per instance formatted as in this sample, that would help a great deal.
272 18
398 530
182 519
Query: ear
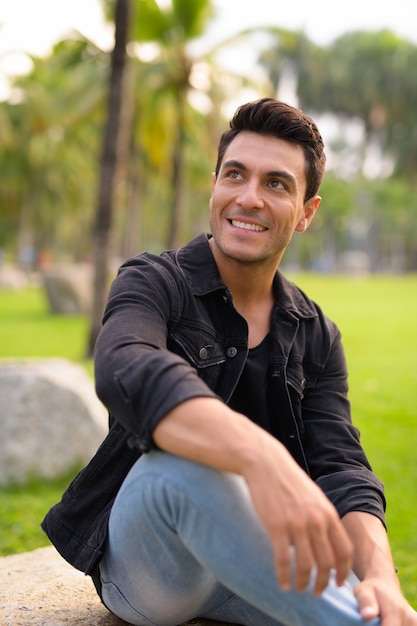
309 211
213 184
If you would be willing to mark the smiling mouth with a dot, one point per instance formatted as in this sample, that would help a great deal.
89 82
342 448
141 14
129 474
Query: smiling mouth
253 227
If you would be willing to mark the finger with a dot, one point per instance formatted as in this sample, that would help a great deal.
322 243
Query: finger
324 557
284 562
304 561
315 548
367 601
343 551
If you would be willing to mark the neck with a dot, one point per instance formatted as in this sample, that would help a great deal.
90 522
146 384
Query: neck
248 282
251 286
254 300
248 286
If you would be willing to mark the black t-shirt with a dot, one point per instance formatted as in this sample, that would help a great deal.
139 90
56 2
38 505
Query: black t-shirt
250 394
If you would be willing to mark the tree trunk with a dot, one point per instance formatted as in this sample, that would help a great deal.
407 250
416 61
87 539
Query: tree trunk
104 212
173 240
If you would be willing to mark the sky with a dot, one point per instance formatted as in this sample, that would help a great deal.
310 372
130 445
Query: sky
34 25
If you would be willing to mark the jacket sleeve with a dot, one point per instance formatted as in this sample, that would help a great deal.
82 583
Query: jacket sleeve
334 453
137 378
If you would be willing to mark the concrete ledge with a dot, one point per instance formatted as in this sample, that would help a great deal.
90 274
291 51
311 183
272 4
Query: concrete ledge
40 589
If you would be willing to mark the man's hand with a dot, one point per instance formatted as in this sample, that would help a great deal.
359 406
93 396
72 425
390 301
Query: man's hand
298 517
377 598
379 593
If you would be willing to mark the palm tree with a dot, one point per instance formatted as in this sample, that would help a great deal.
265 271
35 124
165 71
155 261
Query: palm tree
172 29
361 75
48 149
109 161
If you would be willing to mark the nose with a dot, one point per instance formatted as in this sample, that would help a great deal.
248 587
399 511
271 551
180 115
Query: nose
250 195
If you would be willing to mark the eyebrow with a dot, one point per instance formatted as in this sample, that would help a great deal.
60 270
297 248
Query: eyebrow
271 174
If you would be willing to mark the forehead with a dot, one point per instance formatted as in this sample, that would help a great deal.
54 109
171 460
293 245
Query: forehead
266 152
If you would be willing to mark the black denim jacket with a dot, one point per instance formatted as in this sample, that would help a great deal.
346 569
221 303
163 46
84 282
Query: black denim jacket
170 333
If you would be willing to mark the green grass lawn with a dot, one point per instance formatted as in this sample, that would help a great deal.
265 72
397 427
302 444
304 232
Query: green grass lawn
28 329
377 317
378 320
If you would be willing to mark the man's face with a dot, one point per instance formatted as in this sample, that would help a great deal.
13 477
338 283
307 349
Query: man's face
257 199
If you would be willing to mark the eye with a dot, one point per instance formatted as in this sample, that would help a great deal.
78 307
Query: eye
277 184
233 175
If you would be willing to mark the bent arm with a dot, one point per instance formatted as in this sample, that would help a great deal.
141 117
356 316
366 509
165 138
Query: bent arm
294 511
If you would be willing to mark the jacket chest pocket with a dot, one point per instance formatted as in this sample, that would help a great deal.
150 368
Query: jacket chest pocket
200 348
301 377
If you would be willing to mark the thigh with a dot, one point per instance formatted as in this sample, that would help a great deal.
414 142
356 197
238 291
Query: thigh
151 572
148 574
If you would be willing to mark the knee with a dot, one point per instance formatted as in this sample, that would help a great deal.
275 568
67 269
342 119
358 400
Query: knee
157 467
153 489
161 486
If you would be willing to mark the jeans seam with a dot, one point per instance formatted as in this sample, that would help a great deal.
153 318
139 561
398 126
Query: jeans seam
112 585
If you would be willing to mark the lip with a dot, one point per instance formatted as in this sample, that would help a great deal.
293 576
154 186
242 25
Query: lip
245 225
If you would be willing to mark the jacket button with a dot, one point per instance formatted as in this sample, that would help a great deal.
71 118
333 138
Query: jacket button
203 354
231 352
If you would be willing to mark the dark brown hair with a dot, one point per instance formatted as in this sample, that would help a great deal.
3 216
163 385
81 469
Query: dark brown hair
278 119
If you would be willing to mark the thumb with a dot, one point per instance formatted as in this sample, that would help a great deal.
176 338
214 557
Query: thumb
368 604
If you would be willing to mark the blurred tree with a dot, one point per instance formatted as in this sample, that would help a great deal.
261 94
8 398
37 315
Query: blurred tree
371 76
52 125
172 28
109 160
366 75
48 149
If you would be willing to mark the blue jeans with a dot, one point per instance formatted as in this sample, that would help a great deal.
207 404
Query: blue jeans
185 542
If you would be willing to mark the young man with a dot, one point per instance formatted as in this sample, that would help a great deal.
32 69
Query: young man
232 484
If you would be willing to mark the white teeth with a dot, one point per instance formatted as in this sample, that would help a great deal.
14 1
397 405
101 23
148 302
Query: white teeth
247 226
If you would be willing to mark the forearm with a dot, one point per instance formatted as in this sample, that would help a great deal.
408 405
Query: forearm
207 431
372 554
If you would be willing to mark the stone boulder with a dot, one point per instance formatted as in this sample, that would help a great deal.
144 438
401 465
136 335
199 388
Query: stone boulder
40 588
51 419
12 278
69 288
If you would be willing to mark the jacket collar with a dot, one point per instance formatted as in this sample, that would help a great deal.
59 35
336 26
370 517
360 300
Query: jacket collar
197 263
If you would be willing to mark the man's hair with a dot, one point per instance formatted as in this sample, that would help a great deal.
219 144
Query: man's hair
278 119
